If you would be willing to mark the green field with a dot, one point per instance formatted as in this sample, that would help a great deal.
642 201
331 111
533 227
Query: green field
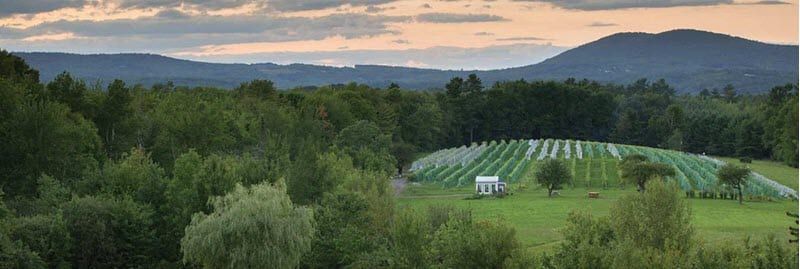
537 218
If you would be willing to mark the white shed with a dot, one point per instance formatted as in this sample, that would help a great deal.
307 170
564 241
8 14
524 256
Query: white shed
489 185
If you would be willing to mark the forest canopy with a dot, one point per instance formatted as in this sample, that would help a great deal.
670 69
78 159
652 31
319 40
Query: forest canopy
113 174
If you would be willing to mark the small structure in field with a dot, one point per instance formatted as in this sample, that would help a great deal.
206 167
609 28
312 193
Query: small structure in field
489 185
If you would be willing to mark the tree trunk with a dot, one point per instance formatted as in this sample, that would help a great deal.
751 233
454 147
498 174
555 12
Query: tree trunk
471 131
739 188
640 186
550 191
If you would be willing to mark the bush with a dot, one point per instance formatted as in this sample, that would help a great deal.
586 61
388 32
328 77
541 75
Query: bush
483 244
658 218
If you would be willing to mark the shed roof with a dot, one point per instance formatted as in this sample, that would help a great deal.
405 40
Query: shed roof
487 179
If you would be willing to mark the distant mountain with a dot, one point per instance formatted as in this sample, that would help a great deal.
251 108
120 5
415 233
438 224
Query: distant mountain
689 60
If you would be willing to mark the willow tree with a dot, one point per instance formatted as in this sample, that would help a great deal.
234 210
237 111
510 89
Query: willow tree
256 227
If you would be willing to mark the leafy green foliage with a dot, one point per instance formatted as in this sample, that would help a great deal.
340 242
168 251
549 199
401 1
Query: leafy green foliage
467 244
14 69
344 232
47 236
109 232
734 176
43 137
250 227
659 218
553 173
637 169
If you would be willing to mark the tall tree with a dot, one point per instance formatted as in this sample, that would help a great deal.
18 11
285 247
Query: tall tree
113 111
69 91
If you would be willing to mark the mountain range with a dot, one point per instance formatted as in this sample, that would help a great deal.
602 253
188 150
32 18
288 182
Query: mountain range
690 60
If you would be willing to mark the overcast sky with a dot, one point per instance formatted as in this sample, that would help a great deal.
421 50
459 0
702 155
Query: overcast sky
448 34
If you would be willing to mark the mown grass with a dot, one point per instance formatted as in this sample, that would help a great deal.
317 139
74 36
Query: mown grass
777 171
537 218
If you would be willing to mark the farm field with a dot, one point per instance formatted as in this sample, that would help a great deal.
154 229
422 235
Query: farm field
446 177
537 218
592 165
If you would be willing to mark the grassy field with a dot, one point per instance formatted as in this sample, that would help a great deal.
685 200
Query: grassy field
537 218
774 170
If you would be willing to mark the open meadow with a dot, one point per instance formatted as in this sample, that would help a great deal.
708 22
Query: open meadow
537 218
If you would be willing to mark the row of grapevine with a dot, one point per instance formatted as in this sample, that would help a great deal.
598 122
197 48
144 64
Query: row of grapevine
613 150
510 160
554 151
588 149
759 179
601 151
449 156
533 144
567 150
543 152
487 159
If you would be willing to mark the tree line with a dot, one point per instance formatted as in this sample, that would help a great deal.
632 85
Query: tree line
114 175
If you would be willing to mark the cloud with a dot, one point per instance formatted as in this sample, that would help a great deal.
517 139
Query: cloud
401 41
171 23
171 14
199 4
484 33
10 7
173 30
376 9
275 5
768 2
303 5
589 5
601 24
457 18
523 38
426 5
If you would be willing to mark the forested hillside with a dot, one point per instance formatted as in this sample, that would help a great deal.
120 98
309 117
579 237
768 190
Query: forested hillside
689 60
104 175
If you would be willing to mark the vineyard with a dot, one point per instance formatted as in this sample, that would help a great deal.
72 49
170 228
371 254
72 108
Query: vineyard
592 164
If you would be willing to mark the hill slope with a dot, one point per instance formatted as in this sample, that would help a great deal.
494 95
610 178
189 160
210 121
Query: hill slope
592 165
690 60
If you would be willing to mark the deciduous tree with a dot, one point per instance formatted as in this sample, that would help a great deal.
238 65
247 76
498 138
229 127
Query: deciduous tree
552 173
255 227
734 176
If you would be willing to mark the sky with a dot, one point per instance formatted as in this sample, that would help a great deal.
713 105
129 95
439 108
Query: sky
444 34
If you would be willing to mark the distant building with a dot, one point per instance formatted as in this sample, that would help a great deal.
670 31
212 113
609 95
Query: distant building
489 185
